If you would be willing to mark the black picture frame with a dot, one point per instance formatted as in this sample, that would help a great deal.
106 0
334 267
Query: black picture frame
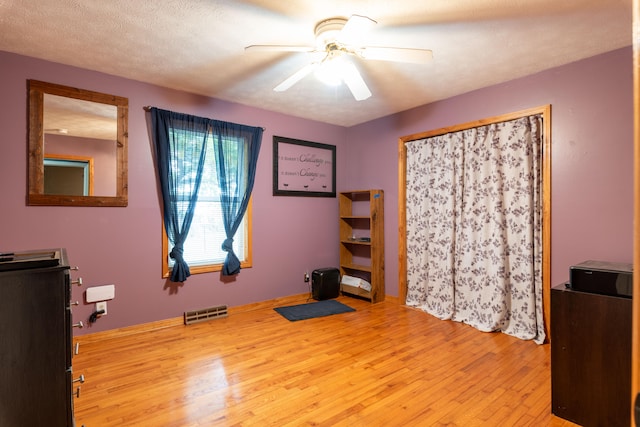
303 168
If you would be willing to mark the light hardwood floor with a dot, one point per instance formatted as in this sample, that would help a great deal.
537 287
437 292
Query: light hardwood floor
382 365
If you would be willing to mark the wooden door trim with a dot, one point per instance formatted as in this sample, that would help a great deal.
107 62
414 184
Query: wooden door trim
635 343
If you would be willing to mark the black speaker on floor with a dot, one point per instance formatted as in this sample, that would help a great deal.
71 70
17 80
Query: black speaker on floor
325 283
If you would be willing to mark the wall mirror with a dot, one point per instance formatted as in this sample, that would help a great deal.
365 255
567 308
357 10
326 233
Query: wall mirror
77 147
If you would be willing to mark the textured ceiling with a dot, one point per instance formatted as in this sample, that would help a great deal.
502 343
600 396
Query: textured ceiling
198 45
75 117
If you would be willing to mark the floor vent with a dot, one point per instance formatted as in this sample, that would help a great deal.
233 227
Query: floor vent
204 314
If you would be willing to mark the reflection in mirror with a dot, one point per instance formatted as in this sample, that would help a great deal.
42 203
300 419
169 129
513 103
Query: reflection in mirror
77 147
68 175
73 127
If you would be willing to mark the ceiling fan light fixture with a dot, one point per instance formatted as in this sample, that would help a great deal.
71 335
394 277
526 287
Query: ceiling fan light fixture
331 70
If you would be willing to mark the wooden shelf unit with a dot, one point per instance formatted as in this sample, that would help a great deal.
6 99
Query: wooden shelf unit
361 217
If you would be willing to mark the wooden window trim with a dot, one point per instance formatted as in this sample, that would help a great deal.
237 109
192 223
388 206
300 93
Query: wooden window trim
210 268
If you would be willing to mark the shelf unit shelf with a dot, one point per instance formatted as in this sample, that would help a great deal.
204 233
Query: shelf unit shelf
362 216
355 242
356 267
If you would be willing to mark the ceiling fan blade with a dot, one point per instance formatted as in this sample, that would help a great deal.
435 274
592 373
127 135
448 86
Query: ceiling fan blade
295 78
353 32
278 48
397 54
355 83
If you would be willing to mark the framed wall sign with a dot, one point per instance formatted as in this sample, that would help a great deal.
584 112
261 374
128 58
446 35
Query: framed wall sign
303 168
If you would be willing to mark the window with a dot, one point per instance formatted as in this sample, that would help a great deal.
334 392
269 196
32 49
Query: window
203 247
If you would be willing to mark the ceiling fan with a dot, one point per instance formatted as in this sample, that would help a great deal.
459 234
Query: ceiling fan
338 40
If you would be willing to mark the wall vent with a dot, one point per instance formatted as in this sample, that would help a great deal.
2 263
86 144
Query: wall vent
204 314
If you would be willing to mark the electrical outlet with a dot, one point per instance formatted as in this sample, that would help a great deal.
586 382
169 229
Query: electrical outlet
102 306
306 276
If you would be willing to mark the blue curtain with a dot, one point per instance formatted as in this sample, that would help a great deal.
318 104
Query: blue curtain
236 169
180 162
180 145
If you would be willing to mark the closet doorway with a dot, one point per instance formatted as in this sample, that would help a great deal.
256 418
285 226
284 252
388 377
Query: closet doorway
446 226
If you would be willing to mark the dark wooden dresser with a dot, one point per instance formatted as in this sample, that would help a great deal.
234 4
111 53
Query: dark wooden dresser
36 376
590 357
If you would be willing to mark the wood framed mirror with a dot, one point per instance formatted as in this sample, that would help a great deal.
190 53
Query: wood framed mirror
76 123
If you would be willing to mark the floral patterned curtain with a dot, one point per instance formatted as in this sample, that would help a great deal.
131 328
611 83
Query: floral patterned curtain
474 227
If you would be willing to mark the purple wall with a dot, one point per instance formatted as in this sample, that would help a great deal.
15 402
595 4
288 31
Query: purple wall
592 152
592 155
291 235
